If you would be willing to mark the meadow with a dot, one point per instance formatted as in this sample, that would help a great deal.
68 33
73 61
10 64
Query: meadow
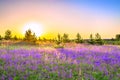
73 62
59 39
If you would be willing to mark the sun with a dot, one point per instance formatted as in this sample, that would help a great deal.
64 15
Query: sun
34 27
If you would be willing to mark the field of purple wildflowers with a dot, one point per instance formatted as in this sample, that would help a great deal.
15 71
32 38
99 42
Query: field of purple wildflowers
81 62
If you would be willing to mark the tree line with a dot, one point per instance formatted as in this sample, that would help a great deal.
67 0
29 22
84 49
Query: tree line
31 37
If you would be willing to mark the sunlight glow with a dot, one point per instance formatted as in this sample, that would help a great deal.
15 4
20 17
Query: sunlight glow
34 27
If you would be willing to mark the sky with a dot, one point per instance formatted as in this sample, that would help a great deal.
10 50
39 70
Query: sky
62 16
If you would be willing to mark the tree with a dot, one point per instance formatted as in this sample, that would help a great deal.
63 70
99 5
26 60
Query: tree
98 39
15 37
0 37
34 38
91 41
78 40
7 34
59 39
91 37
44 39
29 36
65 38
117 37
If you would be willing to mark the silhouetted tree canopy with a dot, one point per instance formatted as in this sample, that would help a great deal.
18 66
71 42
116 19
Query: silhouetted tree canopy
65 38
91 41
0 37
98 39
118 37
78 40
29 36
58 39
91 37
8 34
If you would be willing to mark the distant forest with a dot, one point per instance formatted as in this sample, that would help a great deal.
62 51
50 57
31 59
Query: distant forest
93 39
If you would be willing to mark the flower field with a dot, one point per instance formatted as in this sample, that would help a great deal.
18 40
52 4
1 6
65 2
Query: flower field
81 62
